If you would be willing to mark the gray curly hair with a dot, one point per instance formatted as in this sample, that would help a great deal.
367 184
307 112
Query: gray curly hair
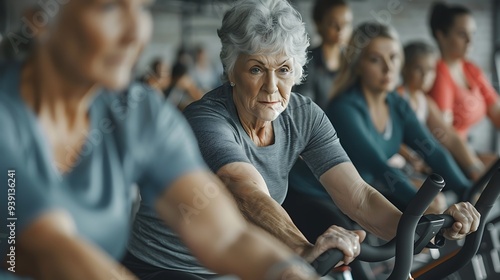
263 27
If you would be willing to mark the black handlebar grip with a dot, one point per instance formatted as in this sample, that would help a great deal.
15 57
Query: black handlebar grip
377 253
448 220
488 197
425 195
408 223
430 188
326 261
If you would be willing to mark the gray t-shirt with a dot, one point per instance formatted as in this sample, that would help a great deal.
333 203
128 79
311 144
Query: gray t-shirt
301 130
133 138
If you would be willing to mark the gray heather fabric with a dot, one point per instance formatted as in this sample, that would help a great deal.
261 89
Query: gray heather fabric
302 129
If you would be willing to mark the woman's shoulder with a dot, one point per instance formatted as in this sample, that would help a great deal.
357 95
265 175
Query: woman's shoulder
135 112
397 101
352 96
402 110
302 106
214 103
217 97
137 99
346 105
469 64
442 70
397 95
298 100
472 68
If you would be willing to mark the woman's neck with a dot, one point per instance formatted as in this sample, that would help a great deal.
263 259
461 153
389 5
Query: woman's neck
331 55
53 93
451 61
374 98
261 132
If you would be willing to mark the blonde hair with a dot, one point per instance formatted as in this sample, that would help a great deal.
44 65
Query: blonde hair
362 36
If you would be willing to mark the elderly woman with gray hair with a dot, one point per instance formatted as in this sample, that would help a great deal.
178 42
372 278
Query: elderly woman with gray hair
76 135
252 129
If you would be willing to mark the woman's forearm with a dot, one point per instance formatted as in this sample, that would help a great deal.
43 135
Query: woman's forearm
260 209
377 214
264 263
77 260
216 232
255 203
464 156
50 249
458 148
360 201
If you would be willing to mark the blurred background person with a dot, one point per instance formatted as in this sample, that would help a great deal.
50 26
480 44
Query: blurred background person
203 72
372 121
418 74
333 21
158 75
182 89
461 90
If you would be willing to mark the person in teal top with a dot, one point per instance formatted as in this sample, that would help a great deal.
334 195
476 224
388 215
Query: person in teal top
372 122
369 149
333 22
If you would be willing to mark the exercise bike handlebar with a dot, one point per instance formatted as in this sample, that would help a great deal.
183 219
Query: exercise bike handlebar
473 241
403 244
405 235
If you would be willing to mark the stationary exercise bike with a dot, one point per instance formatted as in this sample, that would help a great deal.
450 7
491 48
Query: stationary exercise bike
416 231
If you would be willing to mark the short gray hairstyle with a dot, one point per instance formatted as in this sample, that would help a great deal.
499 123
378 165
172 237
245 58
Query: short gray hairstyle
263 27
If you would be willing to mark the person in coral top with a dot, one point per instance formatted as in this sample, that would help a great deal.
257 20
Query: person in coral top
461 89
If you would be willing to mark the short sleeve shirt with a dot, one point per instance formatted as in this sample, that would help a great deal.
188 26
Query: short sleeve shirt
468 105
133 138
